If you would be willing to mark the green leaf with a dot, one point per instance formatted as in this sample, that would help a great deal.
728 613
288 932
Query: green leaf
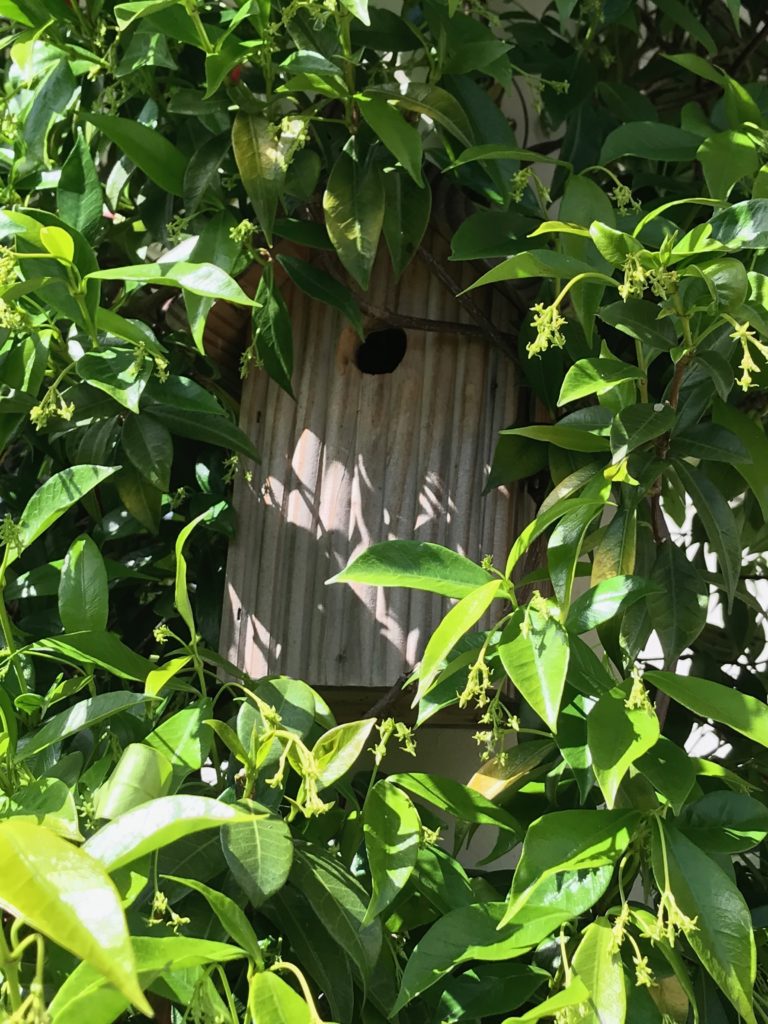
338 749
689 22
84 995
392 830
83 715
601 602
431 101
542 522
536 263
67 896
184 739
262 156
271 999
48 802
753 438
99 648
459 620
536 660
723 939
476 932
180 593
321 286
79 195
640 319
618 735
568 841
159 677
141 774
515 458
651 140
725 822
407 210
118 373
670 771
573 995
340 903
83 589
158 158
595 377
709 441
565 549
140 498
597 962
230 915
400 138
571 438
492 151
743 225
204 279
706 699
719 522
726 158
259 854
353 204
677 620
272 331
451 796
613 245
415 564
156 824
149 446
636 425
126 14
52 499
488 990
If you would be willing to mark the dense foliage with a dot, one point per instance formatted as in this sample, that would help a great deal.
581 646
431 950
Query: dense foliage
177 836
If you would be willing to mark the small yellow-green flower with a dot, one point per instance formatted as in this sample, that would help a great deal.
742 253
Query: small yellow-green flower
548 323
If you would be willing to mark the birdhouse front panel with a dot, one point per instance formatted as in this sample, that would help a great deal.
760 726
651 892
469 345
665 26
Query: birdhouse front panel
368 451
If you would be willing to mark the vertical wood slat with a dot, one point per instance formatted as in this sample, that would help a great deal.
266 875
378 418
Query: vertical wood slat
358 459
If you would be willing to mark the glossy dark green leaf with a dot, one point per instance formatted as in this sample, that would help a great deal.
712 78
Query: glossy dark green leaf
535 263
636 425
272 331
601 602
536 661
149 446
719 522
469 933
321 286
752 436
725 822
230 915
722 938
743 225
261 154
340 903
52 499
618 735
80 199
676 622
706 699
462 802
489 990
670 771
140 498
83 589
353 204
154 154
639 318
651 140
400 137
203 279
568 841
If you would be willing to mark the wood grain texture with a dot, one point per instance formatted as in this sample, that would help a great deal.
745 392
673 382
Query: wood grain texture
355 460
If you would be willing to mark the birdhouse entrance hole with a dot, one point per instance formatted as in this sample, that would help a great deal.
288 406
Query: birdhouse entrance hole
382 350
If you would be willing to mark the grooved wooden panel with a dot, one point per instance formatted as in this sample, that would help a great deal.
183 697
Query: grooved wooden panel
357 459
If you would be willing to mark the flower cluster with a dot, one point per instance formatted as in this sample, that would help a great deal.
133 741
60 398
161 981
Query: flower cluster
548 323
52 404
638 277
402 733
746 337
625 201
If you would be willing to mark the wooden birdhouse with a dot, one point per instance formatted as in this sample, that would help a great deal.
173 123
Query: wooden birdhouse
388 438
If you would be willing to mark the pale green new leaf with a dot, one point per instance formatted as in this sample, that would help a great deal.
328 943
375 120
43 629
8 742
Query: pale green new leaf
618 735
338 749
536 661
415 564
156 824
62 892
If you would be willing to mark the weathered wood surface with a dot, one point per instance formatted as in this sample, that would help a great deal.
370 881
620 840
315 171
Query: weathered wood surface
357 459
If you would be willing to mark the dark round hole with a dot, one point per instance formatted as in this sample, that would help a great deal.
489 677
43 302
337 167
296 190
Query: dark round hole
382 351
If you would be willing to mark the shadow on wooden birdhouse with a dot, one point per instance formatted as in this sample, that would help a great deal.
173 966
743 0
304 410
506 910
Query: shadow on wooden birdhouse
389 437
